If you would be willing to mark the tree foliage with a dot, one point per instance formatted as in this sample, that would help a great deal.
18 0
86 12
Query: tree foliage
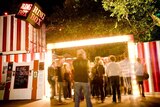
82 19
137 13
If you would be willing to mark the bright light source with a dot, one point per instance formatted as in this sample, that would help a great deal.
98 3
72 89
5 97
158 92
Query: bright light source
5 13
96 41
131 52
48 63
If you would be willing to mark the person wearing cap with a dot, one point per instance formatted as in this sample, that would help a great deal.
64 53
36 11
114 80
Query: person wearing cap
81 78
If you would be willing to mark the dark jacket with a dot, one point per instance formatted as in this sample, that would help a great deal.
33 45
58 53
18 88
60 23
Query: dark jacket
51 74
59 74
100 70
81 70
67 77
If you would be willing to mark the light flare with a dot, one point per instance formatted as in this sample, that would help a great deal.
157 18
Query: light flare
131 52
48 61
96 41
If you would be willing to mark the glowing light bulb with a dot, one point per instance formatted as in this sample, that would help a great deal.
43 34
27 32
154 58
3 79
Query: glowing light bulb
5 13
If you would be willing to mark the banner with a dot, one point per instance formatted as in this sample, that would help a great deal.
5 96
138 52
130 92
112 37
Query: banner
31 13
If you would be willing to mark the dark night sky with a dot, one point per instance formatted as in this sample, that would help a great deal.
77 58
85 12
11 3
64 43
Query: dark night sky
11 6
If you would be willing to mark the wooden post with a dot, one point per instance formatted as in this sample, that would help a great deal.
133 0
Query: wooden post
34 84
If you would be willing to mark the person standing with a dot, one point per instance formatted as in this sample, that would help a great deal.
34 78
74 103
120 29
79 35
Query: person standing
81 78
114 72
99 78
139 70
52 78
126 74
60 75
107 80
67 81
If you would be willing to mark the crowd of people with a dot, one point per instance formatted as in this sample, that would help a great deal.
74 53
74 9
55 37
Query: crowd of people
102 78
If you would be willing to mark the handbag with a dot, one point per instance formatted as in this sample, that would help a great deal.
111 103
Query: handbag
145 75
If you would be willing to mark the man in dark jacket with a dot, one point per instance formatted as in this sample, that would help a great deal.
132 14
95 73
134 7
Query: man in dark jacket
81 76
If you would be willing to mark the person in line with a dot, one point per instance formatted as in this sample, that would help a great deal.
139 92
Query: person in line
67 81
108 88
114 72
91 76
139 70
81 78
52 78
126 74
99 78
60 75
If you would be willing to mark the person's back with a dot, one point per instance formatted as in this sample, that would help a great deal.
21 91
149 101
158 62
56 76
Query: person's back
101 70
114 75
139 67
113 69
80 70
81 76
59 74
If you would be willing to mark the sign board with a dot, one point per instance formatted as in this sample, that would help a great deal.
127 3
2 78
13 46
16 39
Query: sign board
24 10
31 13
21 77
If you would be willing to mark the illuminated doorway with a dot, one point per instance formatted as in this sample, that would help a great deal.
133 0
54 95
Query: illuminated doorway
127 39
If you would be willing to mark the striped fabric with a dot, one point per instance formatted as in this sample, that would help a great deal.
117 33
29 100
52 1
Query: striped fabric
20 41
150 53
